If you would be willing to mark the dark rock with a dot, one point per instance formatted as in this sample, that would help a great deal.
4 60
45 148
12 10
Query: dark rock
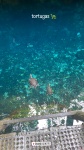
80 55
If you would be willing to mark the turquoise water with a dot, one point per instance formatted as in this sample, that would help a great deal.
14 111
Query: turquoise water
52 50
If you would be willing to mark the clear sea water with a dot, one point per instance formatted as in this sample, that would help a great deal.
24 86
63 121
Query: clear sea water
52 50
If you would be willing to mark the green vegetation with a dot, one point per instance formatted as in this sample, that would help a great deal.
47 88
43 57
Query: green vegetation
34 109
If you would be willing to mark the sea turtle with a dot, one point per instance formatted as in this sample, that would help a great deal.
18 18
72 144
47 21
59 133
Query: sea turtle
49 90
33 82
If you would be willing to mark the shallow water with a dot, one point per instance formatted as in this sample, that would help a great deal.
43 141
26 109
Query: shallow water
52 50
